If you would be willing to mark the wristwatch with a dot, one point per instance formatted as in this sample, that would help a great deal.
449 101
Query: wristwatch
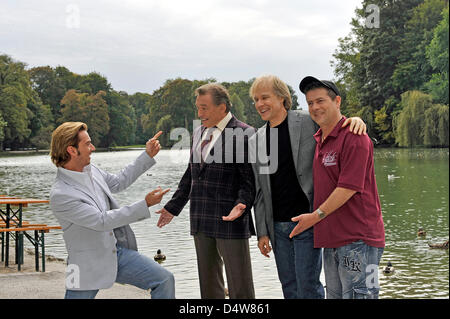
320 213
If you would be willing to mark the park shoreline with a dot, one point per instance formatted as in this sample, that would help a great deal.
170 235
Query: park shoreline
47 152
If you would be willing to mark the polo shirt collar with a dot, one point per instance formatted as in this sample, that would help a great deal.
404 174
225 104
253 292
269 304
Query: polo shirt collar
334 132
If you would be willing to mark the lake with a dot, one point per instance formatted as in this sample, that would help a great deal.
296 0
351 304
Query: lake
414 192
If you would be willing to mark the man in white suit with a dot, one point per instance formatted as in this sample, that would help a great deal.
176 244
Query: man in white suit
101 245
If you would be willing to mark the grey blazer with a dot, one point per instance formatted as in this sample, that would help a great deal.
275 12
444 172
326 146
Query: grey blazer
301 131
90 232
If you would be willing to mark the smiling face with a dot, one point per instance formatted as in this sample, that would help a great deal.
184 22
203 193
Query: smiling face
80 156
323 110
209 113
269 106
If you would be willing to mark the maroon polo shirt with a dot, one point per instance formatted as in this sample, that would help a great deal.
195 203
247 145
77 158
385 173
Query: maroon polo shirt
346 160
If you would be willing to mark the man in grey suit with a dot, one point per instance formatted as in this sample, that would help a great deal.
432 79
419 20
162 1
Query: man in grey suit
101 245
284 150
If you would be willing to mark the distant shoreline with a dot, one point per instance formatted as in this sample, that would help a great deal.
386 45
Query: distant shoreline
46 152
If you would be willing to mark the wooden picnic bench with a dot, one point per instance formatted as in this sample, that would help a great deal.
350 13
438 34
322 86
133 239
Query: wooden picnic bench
13 218
2 237
37 240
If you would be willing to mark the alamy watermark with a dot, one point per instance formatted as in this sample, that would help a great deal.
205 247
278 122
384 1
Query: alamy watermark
233 145
73 16
373 19
372 276
72 276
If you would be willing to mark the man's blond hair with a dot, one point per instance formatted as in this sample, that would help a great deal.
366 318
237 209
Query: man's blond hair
274 83
64 136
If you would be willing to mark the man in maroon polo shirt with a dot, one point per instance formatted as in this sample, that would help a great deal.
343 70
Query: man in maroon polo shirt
347 219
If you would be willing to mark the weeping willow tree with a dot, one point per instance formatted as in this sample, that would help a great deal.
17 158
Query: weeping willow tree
436 126
410 122
421 122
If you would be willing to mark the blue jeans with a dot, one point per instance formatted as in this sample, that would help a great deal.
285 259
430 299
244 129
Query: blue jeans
137 270
298 263
351 271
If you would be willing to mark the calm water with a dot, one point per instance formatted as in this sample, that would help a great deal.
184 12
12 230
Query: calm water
414 192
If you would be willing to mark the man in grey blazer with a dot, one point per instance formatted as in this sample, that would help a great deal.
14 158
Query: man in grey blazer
101 245
283 151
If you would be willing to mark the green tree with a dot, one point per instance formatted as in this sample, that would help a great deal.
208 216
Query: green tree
13 104
71 107
90 109
97 117
165 124
237 107
410 122
379 49
366 60
122 120
175 98
2 132
241 89
51 84
15 94
42 127
140 103
413 69
437 53
92 83
41 123
436 126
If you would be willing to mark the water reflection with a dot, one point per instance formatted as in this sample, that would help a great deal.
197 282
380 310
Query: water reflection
413 187
417 197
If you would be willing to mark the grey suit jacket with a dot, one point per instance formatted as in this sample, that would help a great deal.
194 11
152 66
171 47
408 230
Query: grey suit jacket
301 131
90 232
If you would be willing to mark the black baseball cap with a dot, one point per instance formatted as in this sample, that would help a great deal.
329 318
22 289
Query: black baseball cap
310 79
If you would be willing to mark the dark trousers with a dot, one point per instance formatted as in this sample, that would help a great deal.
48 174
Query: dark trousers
212 254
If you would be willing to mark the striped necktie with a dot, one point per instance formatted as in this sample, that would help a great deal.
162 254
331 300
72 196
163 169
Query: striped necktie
204 145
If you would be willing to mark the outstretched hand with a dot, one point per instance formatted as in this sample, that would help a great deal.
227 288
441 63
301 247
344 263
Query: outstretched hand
164 218
305 221
236 212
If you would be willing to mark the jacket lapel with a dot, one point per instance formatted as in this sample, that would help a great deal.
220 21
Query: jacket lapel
105 189
82 188
294 134
261 149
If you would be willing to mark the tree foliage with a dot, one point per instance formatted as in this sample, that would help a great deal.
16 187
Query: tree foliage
15 95
374 66
437 53
90 109
394 75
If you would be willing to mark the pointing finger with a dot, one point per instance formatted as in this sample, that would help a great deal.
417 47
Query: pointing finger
156 135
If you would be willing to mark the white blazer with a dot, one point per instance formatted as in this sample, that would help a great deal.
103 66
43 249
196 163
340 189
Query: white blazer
90 232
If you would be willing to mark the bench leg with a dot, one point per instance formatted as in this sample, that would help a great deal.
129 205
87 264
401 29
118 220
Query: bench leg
36 250
7 249
18 261
43 252
3 246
